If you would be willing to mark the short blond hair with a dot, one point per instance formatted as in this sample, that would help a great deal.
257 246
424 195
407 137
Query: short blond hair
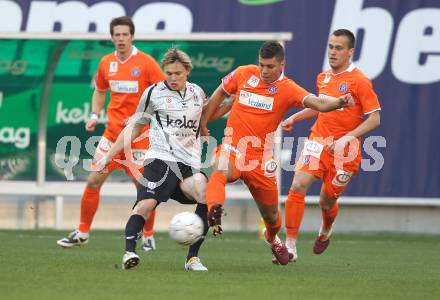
175 55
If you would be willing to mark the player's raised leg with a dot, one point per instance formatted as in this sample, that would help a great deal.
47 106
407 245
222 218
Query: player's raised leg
224 170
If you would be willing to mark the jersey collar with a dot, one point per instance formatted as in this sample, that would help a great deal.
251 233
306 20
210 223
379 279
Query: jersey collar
350 68
279 78
134 51
178 92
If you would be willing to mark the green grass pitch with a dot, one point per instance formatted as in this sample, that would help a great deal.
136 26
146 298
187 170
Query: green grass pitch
366 266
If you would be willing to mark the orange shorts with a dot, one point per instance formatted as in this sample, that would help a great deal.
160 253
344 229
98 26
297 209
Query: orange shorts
130 159
335 173
259 177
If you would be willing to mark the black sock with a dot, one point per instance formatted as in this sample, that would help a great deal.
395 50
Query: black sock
134 225
202 212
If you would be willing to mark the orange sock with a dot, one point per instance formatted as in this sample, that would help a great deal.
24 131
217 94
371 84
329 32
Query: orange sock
294 212
89 206
215 189
149 224
272 229
329 216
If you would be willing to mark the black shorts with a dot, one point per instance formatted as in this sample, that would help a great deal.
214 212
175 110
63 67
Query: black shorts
162 181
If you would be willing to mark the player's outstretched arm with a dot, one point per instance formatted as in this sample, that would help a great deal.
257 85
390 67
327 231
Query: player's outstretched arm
304 114
328 104
224 108
214 103
124 138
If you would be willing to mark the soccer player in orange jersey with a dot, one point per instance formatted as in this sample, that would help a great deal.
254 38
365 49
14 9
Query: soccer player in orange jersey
333 151
262 95
126 72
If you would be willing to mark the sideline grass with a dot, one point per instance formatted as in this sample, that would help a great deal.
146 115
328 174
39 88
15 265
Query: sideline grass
380 266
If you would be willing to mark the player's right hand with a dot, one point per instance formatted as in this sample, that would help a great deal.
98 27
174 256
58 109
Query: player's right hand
91 125
347 100
287 124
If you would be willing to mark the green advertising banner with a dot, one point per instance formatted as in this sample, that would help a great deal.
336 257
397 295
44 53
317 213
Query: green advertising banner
25 68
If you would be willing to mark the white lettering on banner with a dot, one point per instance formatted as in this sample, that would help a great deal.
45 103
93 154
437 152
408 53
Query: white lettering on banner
11 16
417 37
20 137
257 101
221 64
350 14
406 62
415 58
312 148
15 67
76 115
148 17
77 16
73 16
124 86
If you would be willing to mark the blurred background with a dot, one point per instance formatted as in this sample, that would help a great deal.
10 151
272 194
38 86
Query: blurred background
49 52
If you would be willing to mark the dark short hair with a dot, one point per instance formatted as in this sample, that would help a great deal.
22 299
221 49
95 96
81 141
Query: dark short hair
272 49
124 20
347 33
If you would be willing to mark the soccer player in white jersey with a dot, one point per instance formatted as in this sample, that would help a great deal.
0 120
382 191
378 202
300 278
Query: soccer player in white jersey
173 109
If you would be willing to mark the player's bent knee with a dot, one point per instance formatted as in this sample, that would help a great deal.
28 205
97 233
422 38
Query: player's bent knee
298 186
94 182
144 207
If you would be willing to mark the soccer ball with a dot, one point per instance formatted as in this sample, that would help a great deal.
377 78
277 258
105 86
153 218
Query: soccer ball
186 228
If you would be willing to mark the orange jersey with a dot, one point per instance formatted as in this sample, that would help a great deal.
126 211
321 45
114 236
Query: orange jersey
339 122
259 108
127 81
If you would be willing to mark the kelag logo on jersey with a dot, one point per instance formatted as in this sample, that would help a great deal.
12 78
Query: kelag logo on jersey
182 123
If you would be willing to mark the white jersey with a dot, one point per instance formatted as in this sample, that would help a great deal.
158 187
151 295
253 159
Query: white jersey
174 122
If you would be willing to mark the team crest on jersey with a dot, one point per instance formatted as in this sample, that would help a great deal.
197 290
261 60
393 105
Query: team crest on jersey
113 67
135 72
343 88
270 168
341 178
191 89
306 160
253 81
169 103
273 89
